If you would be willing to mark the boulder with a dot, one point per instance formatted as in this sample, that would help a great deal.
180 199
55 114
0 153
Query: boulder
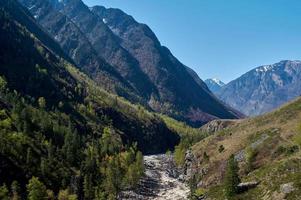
287 188
247 185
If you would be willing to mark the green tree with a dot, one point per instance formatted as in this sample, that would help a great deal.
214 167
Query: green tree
42 102
193 181
50 195
110 143
231 177
113 176
36 190
28 156
65 195
139 164
71 146
250 157
4 192
15 189
88 187
3 83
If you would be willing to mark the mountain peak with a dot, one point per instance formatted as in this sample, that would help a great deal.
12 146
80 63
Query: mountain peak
214 84
264 88
218 81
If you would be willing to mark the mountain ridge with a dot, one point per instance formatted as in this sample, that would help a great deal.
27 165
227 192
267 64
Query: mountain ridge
131 48
264 88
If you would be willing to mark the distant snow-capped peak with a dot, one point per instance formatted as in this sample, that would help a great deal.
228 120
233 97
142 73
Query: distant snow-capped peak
217 81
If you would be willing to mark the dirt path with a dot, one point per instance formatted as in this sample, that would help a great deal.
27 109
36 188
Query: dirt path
158 183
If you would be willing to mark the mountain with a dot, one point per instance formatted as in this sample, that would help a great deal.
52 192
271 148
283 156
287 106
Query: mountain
267 150
263 88
214 84
125 57
59 130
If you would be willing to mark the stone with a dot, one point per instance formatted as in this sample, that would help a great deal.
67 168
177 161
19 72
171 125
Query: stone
287 188
247 185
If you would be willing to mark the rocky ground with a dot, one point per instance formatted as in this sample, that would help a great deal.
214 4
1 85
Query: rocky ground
160 181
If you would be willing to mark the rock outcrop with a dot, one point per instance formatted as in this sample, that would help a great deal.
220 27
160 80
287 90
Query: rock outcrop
217 125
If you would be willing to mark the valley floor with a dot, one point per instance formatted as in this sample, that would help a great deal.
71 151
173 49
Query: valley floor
159 182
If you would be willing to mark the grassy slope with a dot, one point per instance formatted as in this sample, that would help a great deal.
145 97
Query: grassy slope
274 140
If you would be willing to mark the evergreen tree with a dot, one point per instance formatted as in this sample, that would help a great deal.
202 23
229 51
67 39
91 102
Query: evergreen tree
99 194
15 189
65 195
71 146
88 187
139 164
4 192
50 195
36 190
28 156
113 176
193 186
3 84
42 102
231 178
109 142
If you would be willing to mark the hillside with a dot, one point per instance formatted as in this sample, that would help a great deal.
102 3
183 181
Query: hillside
146 71
267 149
61 132
264 88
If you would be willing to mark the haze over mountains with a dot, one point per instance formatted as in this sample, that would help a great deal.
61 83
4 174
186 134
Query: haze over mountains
264 88
125 57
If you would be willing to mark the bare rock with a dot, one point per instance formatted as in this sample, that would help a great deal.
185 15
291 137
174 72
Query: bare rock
287 188
217 125
247 185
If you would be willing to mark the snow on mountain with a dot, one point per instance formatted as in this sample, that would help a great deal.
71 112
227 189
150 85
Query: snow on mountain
214 84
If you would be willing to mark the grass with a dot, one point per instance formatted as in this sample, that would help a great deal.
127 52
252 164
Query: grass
280 132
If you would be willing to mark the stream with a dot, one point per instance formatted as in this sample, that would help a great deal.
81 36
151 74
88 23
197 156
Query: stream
160 181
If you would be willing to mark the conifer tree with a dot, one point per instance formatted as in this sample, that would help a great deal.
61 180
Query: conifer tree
231 178
36 190
15 189
42 102
88 187
4 192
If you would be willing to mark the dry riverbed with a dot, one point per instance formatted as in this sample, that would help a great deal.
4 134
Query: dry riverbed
159 182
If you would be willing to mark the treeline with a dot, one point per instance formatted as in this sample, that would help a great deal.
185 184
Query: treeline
47 154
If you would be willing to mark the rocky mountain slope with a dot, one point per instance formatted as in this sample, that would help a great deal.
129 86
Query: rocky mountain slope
61 131
32 57
214 84
264 88
124 51
267 149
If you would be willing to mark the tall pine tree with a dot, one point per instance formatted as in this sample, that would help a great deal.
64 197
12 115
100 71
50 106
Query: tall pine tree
231 178
36 190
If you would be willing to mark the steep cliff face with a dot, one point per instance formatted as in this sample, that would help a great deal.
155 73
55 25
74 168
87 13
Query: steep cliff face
74 39
127 58
264 88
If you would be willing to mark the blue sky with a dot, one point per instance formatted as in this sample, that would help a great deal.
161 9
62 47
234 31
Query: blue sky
221 38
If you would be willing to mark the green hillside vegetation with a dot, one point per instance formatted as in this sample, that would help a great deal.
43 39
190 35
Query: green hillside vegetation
267 149
62 137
